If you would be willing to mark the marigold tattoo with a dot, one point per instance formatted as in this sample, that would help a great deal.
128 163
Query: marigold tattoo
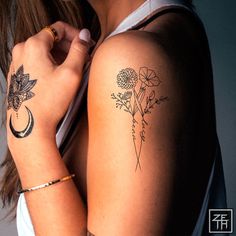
19 91
138 100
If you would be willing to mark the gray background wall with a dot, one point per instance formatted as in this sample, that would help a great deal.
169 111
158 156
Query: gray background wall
219 18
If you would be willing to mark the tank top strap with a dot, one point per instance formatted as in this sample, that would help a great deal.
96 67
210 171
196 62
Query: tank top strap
146 11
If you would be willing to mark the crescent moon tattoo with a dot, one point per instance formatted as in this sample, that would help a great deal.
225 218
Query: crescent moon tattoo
28 129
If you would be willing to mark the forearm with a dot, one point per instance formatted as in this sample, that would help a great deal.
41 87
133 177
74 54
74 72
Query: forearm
39 94
55 210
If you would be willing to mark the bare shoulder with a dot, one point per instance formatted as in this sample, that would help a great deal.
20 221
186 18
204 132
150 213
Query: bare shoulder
174 40
135 65
131 46
174 48
125 61
163 52
132 49
129 41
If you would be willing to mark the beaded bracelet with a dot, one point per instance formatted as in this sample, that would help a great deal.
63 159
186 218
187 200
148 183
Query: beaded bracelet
46 184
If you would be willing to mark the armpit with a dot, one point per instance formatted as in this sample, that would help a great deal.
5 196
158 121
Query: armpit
90 234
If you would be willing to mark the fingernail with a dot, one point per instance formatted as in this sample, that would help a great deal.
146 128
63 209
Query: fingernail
85 35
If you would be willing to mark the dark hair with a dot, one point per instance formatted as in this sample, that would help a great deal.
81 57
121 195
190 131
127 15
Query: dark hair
20 19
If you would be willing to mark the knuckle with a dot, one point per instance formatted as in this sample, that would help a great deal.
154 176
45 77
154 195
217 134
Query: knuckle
59 23
33 44
60 28
17 49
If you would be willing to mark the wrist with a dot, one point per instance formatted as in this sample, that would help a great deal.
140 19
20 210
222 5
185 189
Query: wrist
39 133
38 163
36 142
35 155
30 124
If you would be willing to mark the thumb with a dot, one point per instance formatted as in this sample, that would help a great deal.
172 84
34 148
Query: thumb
78 52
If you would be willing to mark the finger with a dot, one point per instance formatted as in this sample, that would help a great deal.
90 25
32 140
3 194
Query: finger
60 51
78 52
64 33
63 45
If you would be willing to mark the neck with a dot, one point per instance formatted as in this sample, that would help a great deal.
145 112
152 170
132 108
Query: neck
112 12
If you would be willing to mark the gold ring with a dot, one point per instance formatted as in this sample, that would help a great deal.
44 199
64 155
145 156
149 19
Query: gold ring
52 32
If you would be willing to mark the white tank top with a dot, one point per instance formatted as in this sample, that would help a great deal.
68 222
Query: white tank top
216 180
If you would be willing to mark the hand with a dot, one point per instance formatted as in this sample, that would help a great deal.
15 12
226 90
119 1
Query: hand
41 84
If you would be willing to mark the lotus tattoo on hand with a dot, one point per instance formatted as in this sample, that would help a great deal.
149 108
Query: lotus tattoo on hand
19 91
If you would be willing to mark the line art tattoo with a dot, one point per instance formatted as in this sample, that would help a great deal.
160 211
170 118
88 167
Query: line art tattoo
19 91
138 100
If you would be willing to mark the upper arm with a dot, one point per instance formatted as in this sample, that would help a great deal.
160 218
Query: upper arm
136 112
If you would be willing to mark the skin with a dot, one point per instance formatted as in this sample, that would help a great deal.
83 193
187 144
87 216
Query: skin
108 196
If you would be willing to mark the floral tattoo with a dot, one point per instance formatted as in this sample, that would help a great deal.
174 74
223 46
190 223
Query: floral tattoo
19 91
138 100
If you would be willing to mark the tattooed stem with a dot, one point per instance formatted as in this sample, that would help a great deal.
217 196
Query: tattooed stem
135 147
142 136
141 92
135 106
140 89
137 103
139 155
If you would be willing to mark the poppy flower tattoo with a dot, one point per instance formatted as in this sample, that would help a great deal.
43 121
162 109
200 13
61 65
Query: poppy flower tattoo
19 91
138 100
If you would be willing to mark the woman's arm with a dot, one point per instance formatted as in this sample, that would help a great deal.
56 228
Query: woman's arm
39 94
58 209
137 112
138 103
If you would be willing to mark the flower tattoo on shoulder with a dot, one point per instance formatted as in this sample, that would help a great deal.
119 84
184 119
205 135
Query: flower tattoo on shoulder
138 100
